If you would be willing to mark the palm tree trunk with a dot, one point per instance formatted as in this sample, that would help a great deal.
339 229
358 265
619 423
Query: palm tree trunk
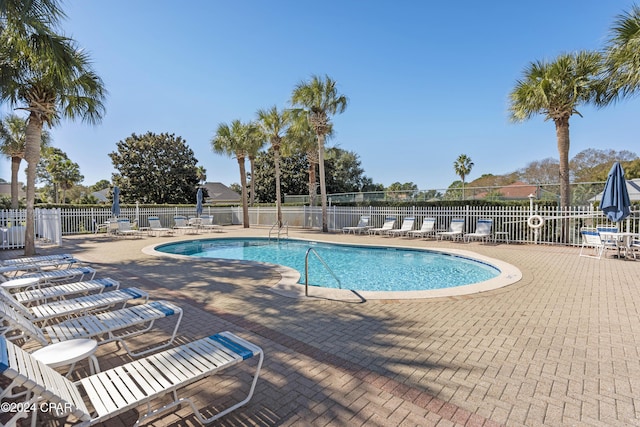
562 133
323 184
33 136
311 158
243 183
276 163
15 187
253 185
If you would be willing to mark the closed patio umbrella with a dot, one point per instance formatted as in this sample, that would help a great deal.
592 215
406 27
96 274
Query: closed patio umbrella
615 201
115 206
199 202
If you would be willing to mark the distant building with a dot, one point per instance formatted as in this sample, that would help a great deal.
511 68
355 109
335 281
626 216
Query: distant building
218 193
633 187
516 191
102 195
5 190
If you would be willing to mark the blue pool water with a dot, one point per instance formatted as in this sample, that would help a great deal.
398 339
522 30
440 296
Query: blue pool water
359 268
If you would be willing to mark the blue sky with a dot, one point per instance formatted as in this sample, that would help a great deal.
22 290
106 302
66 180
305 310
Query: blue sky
426 81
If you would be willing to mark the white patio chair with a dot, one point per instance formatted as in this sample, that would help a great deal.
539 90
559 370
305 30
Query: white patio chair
98 398
182 224
125 229
407 225
117 325
363 225
456 228
591 240
206 223
35 259
52 276
428 228
483 231
155 226
54 292
42 313
389 223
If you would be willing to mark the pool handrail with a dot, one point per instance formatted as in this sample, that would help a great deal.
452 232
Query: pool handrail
306 270
284 226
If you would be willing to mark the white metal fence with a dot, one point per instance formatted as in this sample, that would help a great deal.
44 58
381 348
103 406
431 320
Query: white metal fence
510 221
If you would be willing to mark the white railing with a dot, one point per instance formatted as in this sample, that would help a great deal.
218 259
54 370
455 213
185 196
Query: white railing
510 220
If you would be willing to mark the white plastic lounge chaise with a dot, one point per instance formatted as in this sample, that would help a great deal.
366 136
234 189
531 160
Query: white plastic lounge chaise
591 240
428 228
483 231
206 223
182 224
51 276
125 230
363 225
456 228
407 225
54 292
117 325
35 259
25 267
99 397
155 226
76 306
389 223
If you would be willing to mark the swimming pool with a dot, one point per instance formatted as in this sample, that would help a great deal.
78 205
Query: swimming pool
360 268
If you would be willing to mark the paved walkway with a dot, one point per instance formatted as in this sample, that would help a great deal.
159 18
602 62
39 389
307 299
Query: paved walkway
560 347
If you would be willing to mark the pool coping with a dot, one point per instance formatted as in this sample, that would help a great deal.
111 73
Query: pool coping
288 285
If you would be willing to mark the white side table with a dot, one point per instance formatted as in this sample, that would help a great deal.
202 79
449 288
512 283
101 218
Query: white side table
502 235
23 282
68 353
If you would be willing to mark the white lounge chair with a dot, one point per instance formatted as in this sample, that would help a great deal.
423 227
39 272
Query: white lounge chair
51 276
182 224
483 231
428 228
591 240
363 225
25 267
206 223
456 228
100 397
54 292
41 313
155 226
407 225
125 229
35 259
116 325
389 223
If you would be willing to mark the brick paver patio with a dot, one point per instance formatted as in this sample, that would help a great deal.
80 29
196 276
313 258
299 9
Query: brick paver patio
560 347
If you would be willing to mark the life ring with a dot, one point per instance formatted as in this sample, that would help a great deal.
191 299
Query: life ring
535 221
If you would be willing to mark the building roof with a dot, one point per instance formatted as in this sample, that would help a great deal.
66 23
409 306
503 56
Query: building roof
220 193
518 190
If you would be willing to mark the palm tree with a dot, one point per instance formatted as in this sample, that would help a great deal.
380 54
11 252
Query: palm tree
462 166
556 89
48 76
201 174
254 143
621 57
274 125
321 100
232 141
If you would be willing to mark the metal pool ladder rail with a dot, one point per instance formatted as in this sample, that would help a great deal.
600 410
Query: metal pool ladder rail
279 230
306 270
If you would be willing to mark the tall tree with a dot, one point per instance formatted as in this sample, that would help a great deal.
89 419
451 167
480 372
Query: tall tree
232 141
155 168
201 174
274 125
303 139
48 76
621 57
320 98
556 90
463 166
